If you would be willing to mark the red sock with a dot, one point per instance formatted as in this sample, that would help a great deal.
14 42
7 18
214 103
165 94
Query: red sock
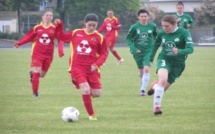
114 52
88 103
35 82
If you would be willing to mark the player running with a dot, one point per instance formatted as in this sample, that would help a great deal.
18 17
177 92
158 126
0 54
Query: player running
176 44
140 39
42 36
183 20
88 52
111 26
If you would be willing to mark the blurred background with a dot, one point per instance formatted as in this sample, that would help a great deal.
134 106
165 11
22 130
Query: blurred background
18 16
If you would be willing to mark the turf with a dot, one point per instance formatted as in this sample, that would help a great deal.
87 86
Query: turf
188 106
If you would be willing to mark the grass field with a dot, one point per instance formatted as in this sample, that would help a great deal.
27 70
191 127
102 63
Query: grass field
188 106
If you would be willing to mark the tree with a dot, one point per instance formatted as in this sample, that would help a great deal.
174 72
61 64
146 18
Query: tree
4 5
155 14
205 14
23 5
76 10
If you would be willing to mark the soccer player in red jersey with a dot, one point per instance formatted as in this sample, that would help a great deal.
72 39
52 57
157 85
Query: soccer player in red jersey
42 36
88 52
111 26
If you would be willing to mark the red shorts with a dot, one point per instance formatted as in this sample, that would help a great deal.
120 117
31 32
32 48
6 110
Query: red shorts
79 76
44 63
111 41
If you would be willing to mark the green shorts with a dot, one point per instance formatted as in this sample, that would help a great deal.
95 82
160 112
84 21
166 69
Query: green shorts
175 69
142 60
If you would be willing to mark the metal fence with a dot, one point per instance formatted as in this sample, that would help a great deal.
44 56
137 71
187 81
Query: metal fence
203 35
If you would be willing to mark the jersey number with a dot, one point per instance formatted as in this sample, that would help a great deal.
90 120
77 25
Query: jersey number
163 63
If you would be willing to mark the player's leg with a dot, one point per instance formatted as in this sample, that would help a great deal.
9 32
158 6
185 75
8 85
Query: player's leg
111 44
86 96
40 70
146 72
138 60
81 81
45 67
35 74
36 80
95 84
145 79
159 90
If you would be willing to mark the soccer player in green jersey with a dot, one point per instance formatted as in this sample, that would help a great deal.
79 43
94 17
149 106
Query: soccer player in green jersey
183 20
176 44
140 39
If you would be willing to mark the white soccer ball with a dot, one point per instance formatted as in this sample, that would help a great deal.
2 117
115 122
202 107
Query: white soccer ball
70 114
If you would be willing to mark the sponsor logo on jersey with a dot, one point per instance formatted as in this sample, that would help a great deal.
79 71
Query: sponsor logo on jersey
170 44
93 39
150 31
44 39
84 48
176 40
39 30
143 35
51 31
80 35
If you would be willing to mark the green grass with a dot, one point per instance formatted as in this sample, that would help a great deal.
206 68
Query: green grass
188 106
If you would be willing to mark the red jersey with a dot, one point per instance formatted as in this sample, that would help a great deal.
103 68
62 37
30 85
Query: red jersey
110 26
86 48
43 40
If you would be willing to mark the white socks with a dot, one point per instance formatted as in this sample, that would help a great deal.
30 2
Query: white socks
145 81
158 94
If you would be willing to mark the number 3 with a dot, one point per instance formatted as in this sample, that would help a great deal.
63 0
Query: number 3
163 63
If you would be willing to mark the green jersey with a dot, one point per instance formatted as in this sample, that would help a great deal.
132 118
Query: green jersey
185 19
180 39
141 37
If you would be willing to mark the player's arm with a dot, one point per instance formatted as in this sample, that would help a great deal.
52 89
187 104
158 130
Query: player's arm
155 47
60 34
189 45
191 21
103 53
155 31
102 28
117 25
129 40
29 37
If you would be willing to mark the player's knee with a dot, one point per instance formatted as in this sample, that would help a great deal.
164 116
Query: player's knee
42 75
85 88
163 82
96 93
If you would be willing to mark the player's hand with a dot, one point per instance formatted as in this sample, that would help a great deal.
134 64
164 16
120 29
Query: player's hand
138 51
16 45
175 50
57 21
188 25
178 19
93 68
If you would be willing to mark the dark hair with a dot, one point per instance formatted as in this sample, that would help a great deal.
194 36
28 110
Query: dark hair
142 11
180 3
169 18
91 17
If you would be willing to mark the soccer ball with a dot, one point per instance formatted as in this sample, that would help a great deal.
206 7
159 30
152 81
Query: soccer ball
70 114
